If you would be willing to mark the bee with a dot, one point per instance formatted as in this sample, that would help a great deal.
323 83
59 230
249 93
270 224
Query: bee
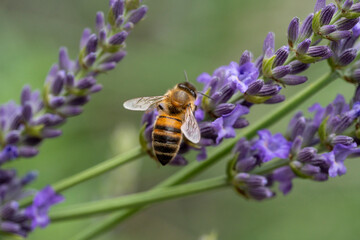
176 118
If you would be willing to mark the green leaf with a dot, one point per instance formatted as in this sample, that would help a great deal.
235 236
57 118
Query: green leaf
267 66
316 22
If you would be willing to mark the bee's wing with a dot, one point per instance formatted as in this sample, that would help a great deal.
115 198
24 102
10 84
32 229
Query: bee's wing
143 103
190 127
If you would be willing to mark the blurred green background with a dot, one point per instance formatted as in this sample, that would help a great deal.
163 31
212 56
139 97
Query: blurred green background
193 35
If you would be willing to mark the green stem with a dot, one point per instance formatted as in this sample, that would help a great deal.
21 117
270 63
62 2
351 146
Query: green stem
138 199
93 171
196 167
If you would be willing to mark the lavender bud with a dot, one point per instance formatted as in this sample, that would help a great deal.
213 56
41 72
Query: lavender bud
96 88
338 35
90 59
70 80
306 28
356 76
85 37
102 36
241 123
100 21
179 160
118 8
129 26
269 42
9 210
27 112
71 110
321 177
347 5
327 29
118 38
298 67
15 122
28 152
306 154
30 176
347 57
303 47
224 93
86 83
293 31
77 101
298 128
310 170
320 51
91 44
64 60
281 56
269 90
293 79
223 108
281 71
116 57
326 14
250 180
25 94
12 137
320 4
58 83
51 133
296 145
275 99
346 24
246 165
261 193
56 102
245 57
119 21
355 8
255 87
138 14
106 66
341 139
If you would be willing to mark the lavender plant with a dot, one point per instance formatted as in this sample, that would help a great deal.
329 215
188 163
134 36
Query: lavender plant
311 148
68 87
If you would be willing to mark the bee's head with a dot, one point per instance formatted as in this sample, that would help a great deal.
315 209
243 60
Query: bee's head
188 87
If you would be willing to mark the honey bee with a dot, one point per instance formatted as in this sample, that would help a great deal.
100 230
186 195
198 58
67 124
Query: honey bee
176 117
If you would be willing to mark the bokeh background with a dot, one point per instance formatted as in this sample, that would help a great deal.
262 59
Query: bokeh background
193 35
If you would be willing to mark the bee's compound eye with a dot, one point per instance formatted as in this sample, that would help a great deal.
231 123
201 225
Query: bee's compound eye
161 106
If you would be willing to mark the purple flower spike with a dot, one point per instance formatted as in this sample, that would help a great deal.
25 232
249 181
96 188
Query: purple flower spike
275 99
255 87
293 31
293 79
326 14
90 59
270 147
118 8
269 42
347 57
269 90
86 83
116 57
347 5
118 38
106 66
38 211
138 14
320 4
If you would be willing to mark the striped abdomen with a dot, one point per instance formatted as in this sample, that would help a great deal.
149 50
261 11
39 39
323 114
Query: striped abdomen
166 138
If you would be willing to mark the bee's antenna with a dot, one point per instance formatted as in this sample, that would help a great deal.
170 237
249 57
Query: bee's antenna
205 95
186 76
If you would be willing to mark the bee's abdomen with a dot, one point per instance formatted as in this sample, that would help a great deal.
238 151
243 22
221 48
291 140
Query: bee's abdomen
166 138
